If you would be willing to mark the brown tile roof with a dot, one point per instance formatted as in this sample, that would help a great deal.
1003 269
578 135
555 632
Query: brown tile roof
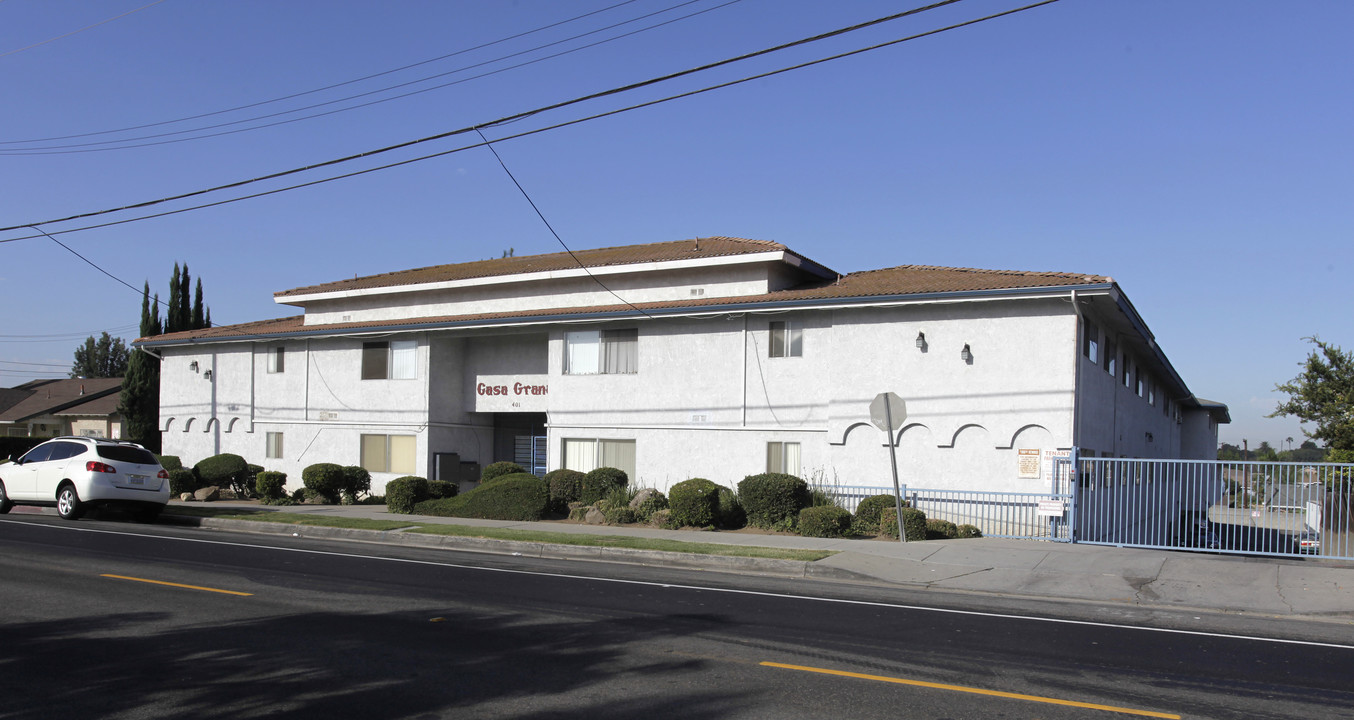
903 281
52 396
597 257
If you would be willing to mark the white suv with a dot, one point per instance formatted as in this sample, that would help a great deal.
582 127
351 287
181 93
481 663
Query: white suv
75 473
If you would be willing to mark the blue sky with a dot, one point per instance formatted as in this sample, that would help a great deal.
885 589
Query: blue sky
1197 152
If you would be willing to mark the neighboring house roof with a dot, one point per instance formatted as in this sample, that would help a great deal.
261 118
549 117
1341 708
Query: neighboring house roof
698 249
51 397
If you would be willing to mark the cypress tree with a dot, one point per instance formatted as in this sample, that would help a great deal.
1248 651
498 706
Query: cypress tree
139 404
199 320
172 315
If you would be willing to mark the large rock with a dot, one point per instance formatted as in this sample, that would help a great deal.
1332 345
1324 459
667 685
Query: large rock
186 497
642 497
595 517
207 494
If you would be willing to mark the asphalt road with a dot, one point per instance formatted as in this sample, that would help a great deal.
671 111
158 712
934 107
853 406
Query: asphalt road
114 620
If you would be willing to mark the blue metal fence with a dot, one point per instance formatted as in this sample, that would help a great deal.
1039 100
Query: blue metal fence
1042 516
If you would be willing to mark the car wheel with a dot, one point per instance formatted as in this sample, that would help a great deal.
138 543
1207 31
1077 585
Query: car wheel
68 504
5 502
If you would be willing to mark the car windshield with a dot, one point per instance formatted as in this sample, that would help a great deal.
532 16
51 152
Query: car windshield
127 454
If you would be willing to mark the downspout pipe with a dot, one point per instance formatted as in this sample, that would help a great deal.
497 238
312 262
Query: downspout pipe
1076 373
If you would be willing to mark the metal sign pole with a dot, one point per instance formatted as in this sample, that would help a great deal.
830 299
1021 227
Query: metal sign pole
893 464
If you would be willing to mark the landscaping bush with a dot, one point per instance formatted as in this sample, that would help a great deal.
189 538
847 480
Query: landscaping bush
773 500
693 502
647 502
182 480
438 489
968 531
729 514
326 480
356 482
914 523
270 485
169 462
825 521
403 493
869 510
599 483
226 470
941 530
662 519
520 496
499 469
565 487
615 506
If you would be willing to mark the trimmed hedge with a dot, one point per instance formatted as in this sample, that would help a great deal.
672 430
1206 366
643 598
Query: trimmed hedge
870 509
520 496
403 493
438 489
730 515
824 521
694 503
224 470
169 462
773 500
326 480
499 469
914 523
937 529
269 485
600 482
966 531
182 480
566 486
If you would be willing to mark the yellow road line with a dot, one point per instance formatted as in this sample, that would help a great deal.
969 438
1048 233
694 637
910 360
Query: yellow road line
177 585
976 691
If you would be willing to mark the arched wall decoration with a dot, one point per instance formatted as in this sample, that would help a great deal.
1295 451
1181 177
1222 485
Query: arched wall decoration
230 426
210 422
955 437
169 424
898 439
846 435
188 424
1032 426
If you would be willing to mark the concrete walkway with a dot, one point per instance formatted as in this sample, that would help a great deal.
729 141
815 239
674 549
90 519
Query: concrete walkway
1310 588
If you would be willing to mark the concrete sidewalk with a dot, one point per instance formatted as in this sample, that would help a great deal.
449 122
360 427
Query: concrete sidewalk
1288 587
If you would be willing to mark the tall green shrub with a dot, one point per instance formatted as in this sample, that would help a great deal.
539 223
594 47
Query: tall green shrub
169 462
269 485
730 515
499 469
825 521
356 482
403 493
325 479
599 483
694 503
521 496
914 523
225 470
773 500
566 486
182 480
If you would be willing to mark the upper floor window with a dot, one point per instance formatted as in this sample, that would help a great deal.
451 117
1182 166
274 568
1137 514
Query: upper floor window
277 359
1090 341
605 352
1111 357
1128 372
787 339
396 360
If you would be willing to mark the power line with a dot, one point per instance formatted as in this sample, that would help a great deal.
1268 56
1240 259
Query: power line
16 362
505 120
536 111
120 144
62 337
73 32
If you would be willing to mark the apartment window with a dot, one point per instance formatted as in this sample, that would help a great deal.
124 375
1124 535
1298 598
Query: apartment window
1111 358
1140 383
1128 372
585 454
274 449
782 457
277 360
397 360
787 339
389 453
1151 393
1090 341
601 352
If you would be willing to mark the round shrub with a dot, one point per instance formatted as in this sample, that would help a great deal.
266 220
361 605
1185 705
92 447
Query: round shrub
968 531
169 462
182 480
565 487
773 500
520 496
403 493
941 530
598 483
825 521
356 482
226 470
729 514
270 485
914 523
326 480
870 508
647 502
438 489
693 502
499 469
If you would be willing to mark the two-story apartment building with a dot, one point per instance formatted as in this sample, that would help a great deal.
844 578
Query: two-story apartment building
716 357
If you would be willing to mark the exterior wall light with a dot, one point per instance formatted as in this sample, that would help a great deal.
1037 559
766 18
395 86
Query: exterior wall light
921 341
966 355
1149 437
207 375
193 366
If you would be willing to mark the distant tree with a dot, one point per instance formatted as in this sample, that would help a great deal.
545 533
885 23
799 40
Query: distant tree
102 358
1265 453
1229 451
139 404
1323 394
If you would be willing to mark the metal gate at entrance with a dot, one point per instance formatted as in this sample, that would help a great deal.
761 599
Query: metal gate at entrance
1253 508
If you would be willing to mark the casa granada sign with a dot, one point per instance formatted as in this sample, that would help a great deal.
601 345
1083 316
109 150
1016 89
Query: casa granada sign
517 389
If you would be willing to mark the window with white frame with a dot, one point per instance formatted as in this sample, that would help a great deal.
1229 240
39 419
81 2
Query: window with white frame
274 443
601 352
277 359
585 454
395 360
1090 341
1111 357
389 453
787 339
782 457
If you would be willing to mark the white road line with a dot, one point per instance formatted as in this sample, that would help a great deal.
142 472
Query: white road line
731 591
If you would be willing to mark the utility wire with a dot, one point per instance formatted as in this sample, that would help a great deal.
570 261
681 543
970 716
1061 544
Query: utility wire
511 118
506 119
121 144
73 32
